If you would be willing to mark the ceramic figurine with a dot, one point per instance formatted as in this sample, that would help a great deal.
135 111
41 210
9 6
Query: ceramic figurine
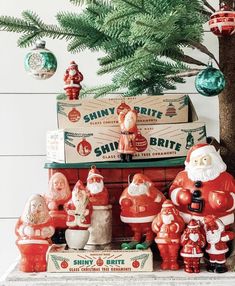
204 187
79 210
140 203
168 225
34 229
216 238
58 194
126 147
72 79
192 241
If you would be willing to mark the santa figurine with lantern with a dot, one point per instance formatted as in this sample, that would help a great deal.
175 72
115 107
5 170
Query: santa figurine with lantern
204 187
140 202
72 79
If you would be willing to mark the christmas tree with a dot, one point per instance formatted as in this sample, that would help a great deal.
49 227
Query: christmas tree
143 42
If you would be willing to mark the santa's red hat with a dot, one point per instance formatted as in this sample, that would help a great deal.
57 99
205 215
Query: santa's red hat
168 204
73 63
199 150
94 173
193 224
140 179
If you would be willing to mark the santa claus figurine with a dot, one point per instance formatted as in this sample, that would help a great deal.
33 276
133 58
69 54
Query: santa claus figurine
216 238
127 147
192 241
168 225
72 79
34 229
79 210
204 187
140 203
98 194
58 194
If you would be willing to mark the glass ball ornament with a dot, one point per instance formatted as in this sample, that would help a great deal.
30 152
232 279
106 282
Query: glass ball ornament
210 82
40 62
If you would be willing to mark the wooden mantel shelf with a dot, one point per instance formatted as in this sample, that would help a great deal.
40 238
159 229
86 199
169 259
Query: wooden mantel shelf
163 278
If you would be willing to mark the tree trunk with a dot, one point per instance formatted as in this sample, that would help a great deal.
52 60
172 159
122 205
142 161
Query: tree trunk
227 99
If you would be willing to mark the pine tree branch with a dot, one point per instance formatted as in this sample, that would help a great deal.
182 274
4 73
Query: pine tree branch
208 6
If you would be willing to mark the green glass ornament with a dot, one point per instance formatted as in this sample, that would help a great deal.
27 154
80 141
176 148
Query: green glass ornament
210 82
40 62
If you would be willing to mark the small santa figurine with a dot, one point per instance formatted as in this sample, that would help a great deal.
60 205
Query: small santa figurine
168 225
204 187
72 79
217 239
58 194
98 194
34 229
79 210
127 146
140 203
192 241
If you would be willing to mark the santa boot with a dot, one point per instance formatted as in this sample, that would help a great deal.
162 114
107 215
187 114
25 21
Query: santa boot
122 157
130 245
143 245
128 157
220 268
210 267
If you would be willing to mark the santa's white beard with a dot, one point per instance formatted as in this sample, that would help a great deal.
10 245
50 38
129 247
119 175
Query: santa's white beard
213 237
59 194
167 219
137 190
36 218
95 188
206 173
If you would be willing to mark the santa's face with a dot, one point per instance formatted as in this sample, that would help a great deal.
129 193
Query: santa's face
58 184
72 72
130 120
138 189
167 215
78 197
36 211
95 185
201 161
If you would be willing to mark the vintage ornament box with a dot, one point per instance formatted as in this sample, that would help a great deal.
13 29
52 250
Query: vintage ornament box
61 260
168 108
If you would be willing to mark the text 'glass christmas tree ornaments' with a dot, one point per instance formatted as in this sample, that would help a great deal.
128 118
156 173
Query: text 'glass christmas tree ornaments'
79 210
168 225
58 194
140 203
34 229
210 82
40 62
72 79
222 22
204 187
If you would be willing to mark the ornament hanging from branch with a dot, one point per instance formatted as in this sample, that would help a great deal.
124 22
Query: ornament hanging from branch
222 22
40 62
210 81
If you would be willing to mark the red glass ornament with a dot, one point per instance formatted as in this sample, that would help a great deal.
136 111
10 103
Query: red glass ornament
74 115
122 107
141 142
222 22
84 148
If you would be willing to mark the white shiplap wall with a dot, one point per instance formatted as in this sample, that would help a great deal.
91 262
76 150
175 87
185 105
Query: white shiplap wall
28 111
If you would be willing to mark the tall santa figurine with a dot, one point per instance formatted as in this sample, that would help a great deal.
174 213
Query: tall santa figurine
192 240
34 229
58 194
140 203
72 79
101 220
79 210
168 225
217 239
204 187
127 147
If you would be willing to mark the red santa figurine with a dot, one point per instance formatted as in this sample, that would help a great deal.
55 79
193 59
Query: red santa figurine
72 79
168 225
140 203
98 194
58 194
216 238
192 241
127 147
79 210
204 187
34 229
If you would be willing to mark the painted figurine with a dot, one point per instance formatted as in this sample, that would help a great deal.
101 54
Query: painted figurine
168 225
34 230
98 194
204 187
58 194
216 238
79 210
72 79
192 241
140 203
127 147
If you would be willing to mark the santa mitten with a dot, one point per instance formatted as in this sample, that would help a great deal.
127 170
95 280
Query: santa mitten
218 200
126 202
184 197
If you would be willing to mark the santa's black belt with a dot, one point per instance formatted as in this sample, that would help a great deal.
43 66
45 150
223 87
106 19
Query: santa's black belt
127 133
